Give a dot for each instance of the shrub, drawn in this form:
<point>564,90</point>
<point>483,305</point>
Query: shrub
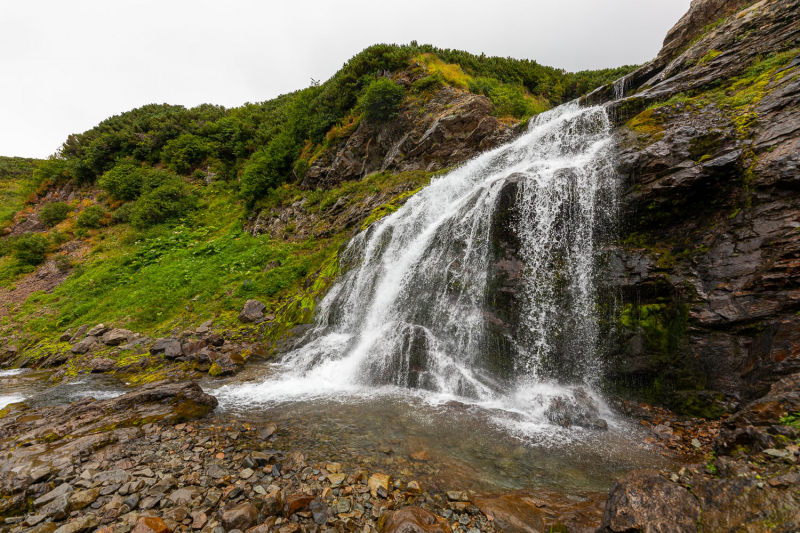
<point>31,249</point>
<point>382,100</point>
<point>165,202</point>
<point>91,217</point>
<point>54,213</point>
<point>124,181</point>
<point>185,152</point>
<point>123,213</point>
<point>267,168</point>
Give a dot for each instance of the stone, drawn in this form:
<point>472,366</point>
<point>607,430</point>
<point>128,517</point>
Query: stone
<point>170,348</point>
<point>241,516</point>
<point>112,476</point>
<point>319,511</point>
<point>117,336</point>
<point>252,312</point>
<point>646,501</point>
<point>247,473</point>
<point>66,336</point>
<point>199,519</point>
<point>420,456</point>
<point>83,346</point>
<point>102,365</point>
<point>97,331</point>
<point>272,503</point>
<point>296,502</point>
<point>267,431</point>
<point>64,488</point>
<point>226,365</point>
<point>414,487</point>
<point>151,524</point>
<point>78,525</point>
<point>215,339</point>
<point>79,334</point>
<point>204,327</point>
<point>336,479</point>
<point>457,496</point>
<point>414,520</point>
<point>185,494</point>
<point>80,499</point>
<point>58,508</point>
<point>379,481</point>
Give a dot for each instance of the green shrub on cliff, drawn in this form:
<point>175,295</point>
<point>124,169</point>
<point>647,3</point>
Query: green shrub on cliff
<point>91,217</point>
<point>382,100</point>
<point>54,213</point>
<point>168,201</point>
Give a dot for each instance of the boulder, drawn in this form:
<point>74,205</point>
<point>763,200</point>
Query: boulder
<point>117,336</point>
<point>83,498</point>
<point>170,348</point>
<point>102,365</point>
<point>226,365</point>
<point>66,336</point>
<point>252,312</point>
<point>204,327</point>
<point>645,501</point>
<point>78,525</point>
<point>151,524</point>
<point>61,490</point>
<point>98,330</point>
<point>79,334</point>
<point>84,345</point>
<point>272,503</point>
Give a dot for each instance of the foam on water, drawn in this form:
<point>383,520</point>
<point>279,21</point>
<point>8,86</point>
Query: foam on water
<point>14,398</point>
<point>407,316</point>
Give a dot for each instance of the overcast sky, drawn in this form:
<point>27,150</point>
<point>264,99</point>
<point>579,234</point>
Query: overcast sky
<point>67,65</point>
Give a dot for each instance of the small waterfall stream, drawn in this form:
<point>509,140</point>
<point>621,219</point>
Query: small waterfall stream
<point>413,306</point>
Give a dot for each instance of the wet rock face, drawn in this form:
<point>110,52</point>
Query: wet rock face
<point>706,273</point>
<point>452,127</point>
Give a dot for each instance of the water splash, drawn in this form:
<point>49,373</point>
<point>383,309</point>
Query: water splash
<point>409,310</point>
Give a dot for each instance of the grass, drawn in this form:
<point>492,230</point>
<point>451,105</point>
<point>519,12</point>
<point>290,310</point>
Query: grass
<point>451,73</point>
<point>16,184</point>
<point>173,277</point>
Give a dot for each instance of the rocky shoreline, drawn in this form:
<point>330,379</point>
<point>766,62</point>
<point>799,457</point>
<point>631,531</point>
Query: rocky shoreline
<point>158,459</point>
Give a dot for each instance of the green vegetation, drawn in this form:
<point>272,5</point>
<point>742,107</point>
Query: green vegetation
<point>382,100</point>
<point>16,184</point>
<point>53,214</point>
<point>91,217</point>
<point>30,249</point>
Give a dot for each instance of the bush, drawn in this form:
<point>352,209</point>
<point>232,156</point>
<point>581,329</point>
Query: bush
<point>31,249</point>
<point>507,99</point>
<point>124,181</point>
<point>123,213</point>
<point>54,213</point>
<point>165,202</point>
<point>91,217</point>
<point>185,152</point>
<point>267,168</point>
<point>382,100</point>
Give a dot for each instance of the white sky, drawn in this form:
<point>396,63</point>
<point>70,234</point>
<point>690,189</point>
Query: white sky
<point>67,65</point>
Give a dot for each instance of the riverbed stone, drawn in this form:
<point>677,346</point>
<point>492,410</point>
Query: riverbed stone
<point>414,520</point>
<point>379,483</point>
<point>242,516</point>
<point>78,525</point>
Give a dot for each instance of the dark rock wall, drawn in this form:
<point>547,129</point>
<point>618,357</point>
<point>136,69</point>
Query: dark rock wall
<point>705,278</point>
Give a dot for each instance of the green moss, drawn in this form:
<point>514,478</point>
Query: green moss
<point>388,208</point>
<point>709,56</point>
<point>792,419</point>
<point>215,370</point>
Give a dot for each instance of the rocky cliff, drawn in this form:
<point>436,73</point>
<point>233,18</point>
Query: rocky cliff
<point>705,280</point>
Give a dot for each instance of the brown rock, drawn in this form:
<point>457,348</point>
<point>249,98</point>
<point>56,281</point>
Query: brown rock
<point>151,524</point>
<point>241,517</point>
<point>645,501</point>
<point>296,502</point>
<point>379,482</point>
<point>414,520</point>
<point>273,503</point>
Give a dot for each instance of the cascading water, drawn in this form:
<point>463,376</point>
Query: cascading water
<point>412,307</point>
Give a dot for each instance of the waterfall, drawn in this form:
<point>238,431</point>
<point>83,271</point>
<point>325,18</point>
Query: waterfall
<point>415,303</point>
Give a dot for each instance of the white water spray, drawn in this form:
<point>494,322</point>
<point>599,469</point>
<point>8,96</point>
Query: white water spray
<point>409,309</point>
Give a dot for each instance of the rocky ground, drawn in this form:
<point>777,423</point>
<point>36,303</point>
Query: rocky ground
<point>157,459</point>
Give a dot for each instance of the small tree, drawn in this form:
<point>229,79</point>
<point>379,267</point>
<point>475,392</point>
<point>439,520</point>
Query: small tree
<point>124,181</point>
<point>382,100</point>
<point>91,217</point>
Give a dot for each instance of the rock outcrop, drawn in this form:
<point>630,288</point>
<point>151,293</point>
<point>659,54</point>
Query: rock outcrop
<point>706,272</point>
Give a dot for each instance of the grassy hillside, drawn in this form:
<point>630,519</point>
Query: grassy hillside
<point>160,194</point>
